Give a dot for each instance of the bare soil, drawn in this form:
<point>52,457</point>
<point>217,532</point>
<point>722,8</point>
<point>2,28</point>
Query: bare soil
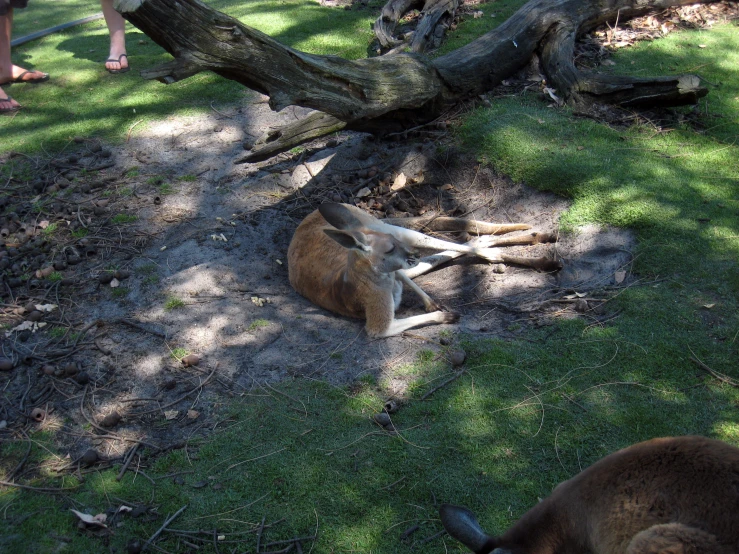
<point>197,247</point>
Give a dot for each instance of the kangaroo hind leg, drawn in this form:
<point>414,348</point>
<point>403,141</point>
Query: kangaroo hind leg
<point>674,538</point>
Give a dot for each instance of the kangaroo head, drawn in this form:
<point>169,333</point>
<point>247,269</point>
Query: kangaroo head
<point>383,251</point>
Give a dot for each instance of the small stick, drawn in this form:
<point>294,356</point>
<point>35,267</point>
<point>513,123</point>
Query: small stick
<point>393,484</point>
<point>180,399</point>
<point>259,533</point>
<point>444,384</point>
<point>174,474</point>
<point>429,539</point>
<point>720,376</point>
<point>163,527</point>
<point>287,541</point>
<point>283,551</point>
<point>37,489</point>
<point>127,462</point>
<point>141,327</point>
<point>408,532</point>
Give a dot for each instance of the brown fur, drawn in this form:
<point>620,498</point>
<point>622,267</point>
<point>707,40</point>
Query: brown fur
<point>356,280</point>
<point>668,496</point>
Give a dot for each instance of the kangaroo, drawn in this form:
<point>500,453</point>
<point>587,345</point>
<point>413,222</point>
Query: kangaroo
<point>671,496</point>
<point>353,264</point>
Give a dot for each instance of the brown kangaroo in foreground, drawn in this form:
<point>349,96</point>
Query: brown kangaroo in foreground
<point>351,263</point>
<point>670,496</point>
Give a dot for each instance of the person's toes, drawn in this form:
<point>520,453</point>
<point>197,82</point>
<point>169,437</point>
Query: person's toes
<point>7,104</point>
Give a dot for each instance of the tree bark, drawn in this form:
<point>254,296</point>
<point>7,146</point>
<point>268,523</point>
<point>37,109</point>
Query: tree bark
<point>435,18</point>
<point>397,91</point>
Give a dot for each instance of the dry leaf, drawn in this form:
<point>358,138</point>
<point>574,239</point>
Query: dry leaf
<point>279,261</point>
<point>399,182</point>
<point>114,283</point>
<point>708,306</point>
<point>46,307</point>
<point>701,46</point>
<point>363,192</point>
<point>478,14</point>
<point>192,414</point>
<point>43,224</point>
<point>98,520</point>
<point>171,414</point>
<point>619,277</point>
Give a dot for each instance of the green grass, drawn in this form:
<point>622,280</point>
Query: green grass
<point>122,219</point>
<point>258,324</point>
<point>529,412</point>
<point>83,99</point>
<point>179,353</point>
<point>173,303</point>
<point>120,292</point>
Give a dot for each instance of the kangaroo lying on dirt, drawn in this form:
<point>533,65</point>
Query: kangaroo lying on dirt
<point>669,496</point>
<point>353,264</point>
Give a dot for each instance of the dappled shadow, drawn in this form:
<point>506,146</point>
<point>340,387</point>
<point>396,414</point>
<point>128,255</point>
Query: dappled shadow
<point>534,407</point>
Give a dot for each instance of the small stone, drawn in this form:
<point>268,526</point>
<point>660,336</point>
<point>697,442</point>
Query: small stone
<point>48,369</point>
<point>134,546</point>
<point>190,359</point>
<point>111,420</point>
<point>170,383</point>
<point>70,370</point>
<point>382,418</point>
<point>35,315</point>
<point>499,268</point>
<point>457,357</point>
<point>581,305</point>
<point>6,364</point>
<point>445,341</point>
<point>89,457</point>
<point>82,378</point>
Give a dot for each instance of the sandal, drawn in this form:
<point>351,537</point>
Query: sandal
<point>122,69</point>
<point>12,109</point>
<point>35,81</point>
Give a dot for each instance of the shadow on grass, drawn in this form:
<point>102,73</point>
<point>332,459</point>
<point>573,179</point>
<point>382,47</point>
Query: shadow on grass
<point>527,414</point>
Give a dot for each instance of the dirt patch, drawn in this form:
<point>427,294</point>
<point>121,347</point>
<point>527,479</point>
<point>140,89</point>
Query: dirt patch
<point>162,247</point>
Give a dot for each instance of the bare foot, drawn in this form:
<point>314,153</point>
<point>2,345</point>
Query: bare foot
<point>117,63</point>
<point>7,104</point>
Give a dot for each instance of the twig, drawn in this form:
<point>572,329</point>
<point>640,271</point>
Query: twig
<point>21,463</point>
<point>392,484</point>
<point>141,327</point>
<point>163,527</point>
<point>259,532</point>
<point>36,489</point>
<point>720,376</point>
<point>288,541</point>
<point>254,459</point>
<point>444,384</point>
<point>181,398</point>
<point>428,539</point>
<point>127,462</point>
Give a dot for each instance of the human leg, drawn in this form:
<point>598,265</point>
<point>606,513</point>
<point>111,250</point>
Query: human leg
<point>10,73</point>
<point>7,104</point>
<point>117,61</point>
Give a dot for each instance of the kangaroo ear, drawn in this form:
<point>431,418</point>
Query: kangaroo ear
<point>461,524</point>
<point>339,216</point>
<point>354,239</point>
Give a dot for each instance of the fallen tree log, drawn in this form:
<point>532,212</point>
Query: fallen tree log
<point>435,18</point>
<point>393,92</point>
